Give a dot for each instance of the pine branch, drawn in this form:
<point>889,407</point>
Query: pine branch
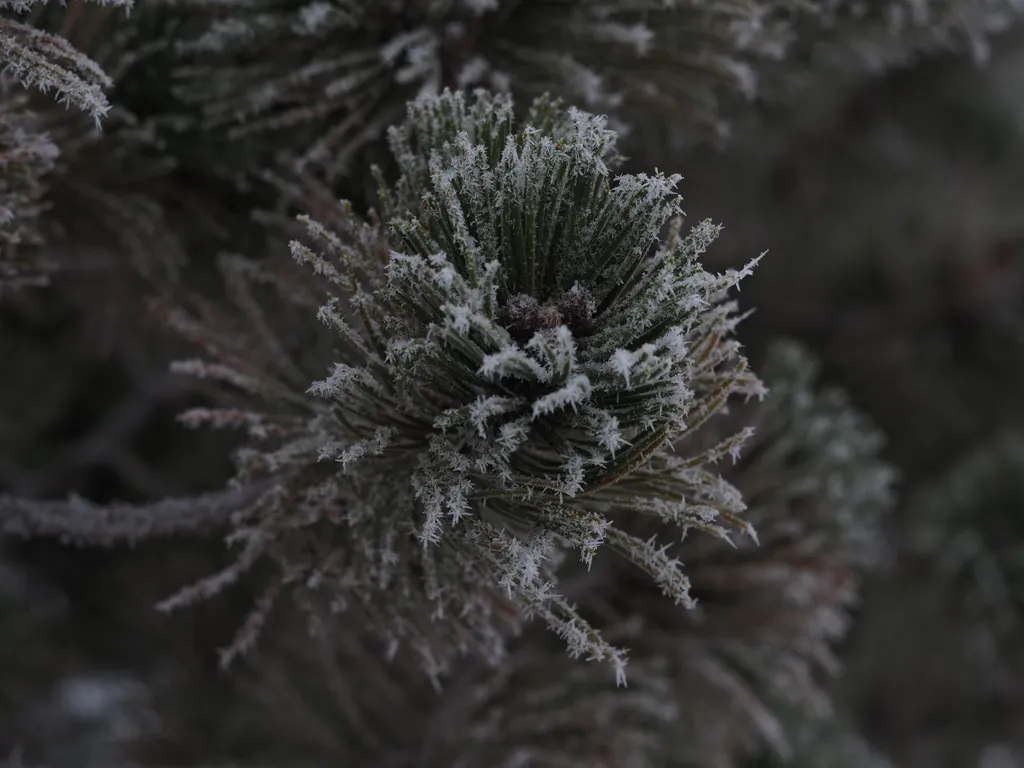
<point>48,62</point>
<point>513,341</point>
<point>323,81</point>
<point>759,643</point>
<point>27,156</point>
<point>81,523</point>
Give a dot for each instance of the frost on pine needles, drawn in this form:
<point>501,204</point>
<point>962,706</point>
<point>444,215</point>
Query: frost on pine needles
<point>523,332</point>
<point>754,657</point>
<point>325,78</point>
<point>49,63</point>
<point>27,156</point>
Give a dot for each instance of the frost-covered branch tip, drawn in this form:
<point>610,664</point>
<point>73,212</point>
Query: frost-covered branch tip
<point>522,332</point>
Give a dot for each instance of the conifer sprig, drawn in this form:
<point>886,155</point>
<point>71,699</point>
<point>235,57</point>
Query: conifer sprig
<point>326,79</point>
<point>27,155</point>
<point>741,677</point>
<point>515,339</point>
<point>759,642</point>
<point>49,63</point>
<point>321,81</point>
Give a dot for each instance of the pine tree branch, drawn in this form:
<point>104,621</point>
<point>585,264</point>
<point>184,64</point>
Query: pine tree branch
<point>79,522</point>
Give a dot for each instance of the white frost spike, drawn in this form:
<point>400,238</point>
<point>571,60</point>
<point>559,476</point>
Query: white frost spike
<point>488,407</point>
<point>344,379</point>
<point>558,349</point>
<point>374,446</point>
<point>622,363</point>
<point>458,319</point>
<point>571,481</point>
<point>514,363</point>
<point>575,393</point>
<point>606,429</point>
<point>645,361</point>
<point>514,434</point>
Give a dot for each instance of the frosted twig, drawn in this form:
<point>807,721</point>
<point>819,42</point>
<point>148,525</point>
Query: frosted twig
<point>79,522</point>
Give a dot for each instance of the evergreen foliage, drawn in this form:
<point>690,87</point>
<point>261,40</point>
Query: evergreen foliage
<point>49,63</point>
<point>850,37</point>
<point>27,156</point>
<point>742,675</point>
<point>830,742</point>
<point>95,192</point>
<point>969,527</point>
<point>344,70</point>
<point>760,640</point>
<point>526,348</point>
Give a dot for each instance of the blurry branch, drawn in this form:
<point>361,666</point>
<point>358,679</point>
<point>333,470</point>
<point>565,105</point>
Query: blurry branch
<point>79,522</point>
